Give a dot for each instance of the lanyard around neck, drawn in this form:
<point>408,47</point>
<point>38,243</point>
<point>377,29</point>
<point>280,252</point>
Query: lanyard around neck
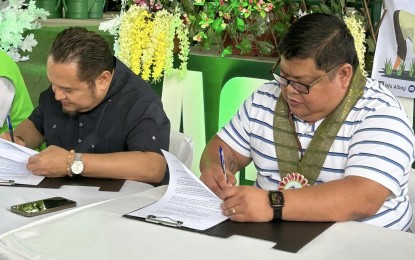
<point>291,120</point>
<point>287,143</point>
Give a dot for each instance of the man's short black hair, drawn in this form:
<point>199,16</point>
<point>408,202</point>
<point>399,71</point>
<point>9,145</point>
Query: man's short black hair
<point>322,37</point>
<point>86,48</point>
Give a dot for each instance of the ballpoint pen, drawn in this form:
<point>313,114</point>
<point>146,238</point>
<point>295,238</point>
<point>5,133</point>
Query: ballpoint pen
<point>222,162</point>
<point>9,124</point>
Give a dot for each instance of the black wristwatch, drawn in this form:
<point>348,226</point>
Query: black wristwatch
<point>276,201</point>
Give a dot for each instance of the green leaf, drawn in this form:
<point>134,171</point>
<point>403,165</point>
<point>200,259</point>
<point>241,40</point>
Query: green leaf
<point>325,9</point>
<point>245,46</point>
<point>316,9</point>
<point>240,24</point>
<point>280,28</point>
<point>217,25</point>
<point>199,2</point>
<point>227,51</point>
<point>283,16</point>
<point>335,7</point>
<point>371,46</point>
<point>192,17</point>
<point>265,47</point>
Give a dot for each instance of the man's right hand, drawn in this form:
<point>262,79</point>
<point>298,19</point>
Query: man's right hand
<point>214,178</point>
<point>17,140</point>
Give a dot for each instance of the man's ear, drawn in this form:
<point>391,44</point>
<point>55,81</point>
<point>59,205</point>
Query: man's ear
<point>345,74</point>
<point>103,81</point>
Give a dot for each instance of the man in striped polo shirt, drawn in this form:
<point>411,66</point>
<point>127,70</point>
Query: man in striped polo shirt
<point>328,143</point>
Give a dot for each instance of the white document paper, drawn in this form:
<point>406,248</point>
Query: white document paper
<point>187,199</point>
<point>13,160</point>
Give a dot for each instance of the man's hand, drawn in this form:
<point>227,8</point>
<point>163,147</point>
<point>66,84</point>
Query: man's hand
<point>17,139</point>
<point>246,204</point>
<point>211,169</point>
<point>51,162</point>
<point>214,178</point>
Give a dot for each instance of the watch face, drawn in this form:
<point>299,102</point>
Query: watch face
<point>77,167</point>
<point>276,199</point>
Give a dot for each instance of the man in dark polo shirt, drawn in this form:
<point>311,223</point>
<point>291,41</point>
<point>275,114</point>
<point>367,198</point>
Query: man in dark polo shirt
<point>98,118</point>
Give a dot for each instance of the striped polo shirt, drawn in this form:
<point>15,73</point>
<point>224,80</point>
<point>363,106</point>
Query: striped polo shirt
<point>376,141</point>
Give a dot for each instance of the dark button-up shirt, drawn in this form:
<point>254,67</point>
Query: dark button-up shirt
<point>130,118</point>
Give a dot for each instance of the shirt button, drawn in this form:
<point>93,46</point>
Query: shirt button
<point>54,126</point>
<point>79,140</point>
<point>80,124</point>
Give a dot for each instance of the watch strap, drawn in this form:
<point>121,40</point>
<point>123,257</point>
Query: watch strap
<point>77,157</point>
<point>277,215</point>
<point>77,160</point>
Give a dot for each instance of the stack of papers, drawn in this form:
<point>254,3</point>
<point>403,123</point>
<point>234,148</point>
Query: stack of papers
<point>13,160</point>
<point>188,202</point>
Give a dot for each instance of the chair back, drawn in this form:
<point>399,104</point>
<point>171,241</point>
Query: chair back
<point>182,147</point>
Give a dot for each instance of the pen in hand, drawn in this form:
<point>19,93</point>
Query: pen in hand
<point>222,162</point>
<point>9,124</point>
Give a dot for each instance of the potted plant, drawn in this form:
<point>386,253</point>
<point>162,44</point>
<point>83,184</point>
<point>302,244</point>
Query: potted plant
<point>251,27</point>
<point>254,27</point>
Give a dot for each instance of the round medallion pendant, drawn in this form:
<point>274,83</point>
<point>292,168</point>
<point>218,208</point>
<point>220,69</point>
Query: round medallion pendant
<point>293,180</point>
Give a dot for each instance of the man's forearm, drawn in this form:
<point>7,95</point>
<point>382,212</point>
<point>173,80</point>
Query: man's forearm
<point>28,133</point>
<point>234,161</point>
<point>351,198</point>
<point>147,167</point>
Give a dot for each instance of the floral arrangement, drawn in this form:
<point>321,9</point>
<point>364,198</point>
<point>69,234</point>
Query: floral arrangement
<point>14,21</point>
<point>242,26</point>
<point>254,27</point>
<point>359,34</point>
<point>183,6</point>
<point>145,40</point>
<point>144,35</point>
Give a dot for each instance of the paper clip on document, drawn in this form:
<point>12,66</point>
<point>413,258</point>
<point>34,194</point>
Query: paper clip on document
<point>164,221</point>
<point>6,182</point>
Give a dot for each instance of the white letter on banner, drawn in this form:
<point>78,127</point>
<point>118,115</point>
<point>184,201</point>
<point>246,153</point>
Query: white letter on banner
<point>185,96</point>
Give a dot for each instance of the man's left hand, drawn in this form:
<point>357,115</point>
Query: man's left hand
<point>246,204</point>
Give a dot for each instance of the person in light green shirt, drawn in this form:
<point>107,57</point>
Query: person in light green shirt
<point>14,97</point>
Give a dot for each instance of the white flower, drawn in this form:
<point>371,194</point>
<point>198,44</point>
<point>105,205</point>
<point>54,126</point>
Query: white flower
<point>301,13</point>
<point>111,25</point>
<point>28,43</point>
<point>14,21</point>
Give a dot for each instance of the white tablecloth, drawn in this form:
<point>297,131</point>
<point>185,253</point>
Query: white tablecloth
<point>83,195</point>
<point>100,232</point>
